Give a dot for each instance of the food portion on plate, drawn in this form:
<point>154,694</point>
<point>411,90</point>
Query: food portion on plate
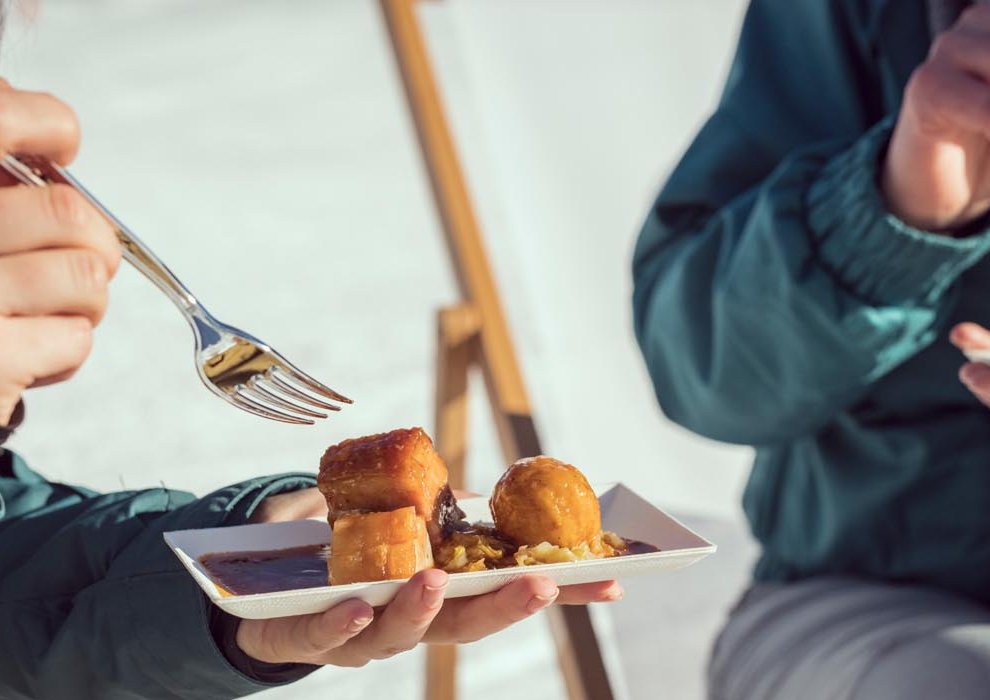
<point>388,471</point>
<point>379,546</point>
<point>544,512</point>
<point>392,513</point>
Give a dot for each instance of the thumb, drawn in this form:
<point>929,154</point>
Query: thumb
<point>303,638</point>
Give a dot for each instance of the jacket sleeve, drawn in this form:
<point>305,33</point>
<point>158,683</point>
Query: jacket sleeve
<point>771,285</point>
<point>93,604</point>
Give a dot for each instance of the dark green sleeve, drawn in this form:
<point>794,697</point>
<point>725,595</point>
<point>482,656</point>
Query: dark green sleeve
<point>93,604</point>
<point>771,285</point>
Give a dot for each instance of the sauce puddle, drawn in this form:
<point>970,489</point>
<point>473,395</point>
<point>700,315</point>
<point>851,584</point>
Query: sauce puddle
<point>268,571</point>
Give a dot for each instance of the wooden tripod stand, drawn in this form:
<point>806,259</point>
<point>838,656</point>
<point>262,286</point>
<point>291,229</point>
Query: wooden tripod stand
<point>475,334</point>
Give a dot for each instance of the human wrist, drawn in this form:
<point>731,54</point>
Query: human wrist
<point>225,629</point>
<point>251,495</point>
<point>919,184</point>
<point>865,246</point>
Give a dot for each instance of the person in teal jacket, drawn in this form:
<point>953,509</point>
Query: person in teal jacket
<point>803,284</point>
<point>93,604</point>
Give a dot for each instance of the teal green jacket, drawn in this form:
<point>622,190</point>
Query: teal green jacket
<point>93,604</point>
<point>778,304</point>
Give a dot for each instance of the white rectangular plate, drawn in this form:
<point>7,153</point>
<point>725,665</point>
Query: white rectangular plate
<point>623,512</point>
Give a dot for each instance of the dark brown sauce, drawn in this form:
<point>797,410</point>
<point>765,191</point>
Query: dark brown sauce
<point>244,573</point>
<point>267,571</point>
<point>446,513</point>
<point>637,547</point>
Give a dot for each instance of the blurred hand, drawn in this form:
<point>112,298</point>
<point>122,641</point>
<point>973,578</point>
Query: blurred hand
<point>975,375</point>
<point>57,254</point>
<point>937,172</point>
<point>352,633</point>
<point>294,505</point>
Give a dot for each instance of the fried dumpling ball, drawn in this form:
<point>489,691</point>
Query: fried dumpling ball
<point>541,499</point>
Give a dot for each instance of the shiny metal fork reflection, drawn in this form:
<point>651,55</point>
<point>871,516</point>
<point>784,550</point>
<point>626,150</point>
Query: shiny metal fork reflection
<point>233,364</point>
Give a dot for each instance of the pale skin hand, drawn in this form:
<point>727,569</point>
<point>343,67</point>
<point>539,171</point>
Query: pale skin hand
<point>352,633</point>
<point>937,173</point>
<point>56,254</point>
<point>975,375</point>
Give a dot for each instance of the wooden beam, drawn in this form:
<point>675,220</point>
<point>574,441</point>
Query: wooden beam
<point>457,350</point>
<point>460,225</point>
<point>458,328</point>
<point>578,652</point>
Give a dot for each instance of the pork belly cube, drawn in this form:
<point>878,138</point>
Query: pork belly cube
<point>387,471</point>
<point>379,546</point>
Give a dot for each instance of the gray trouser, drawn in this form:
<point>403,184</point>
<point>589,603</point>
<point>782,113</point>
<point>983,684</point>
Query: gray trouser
<point>848,639</point>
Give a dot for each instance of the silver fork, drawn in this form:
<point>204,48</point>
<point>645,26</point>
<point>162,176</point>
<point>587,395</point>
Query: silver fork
<point>233,364</point>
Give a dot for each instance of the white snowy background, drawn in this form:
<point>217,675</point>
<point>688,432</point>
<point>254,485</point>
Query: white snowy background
<point>264,151</point>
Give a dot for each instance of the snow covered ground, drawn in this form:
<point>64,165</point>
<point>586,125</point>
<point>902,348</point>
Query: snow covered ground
<point>263,149</point>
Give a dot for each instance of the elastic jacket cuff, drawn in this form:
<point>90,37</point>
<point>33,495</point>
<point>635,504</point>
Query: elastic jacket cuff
<point>876,255</point>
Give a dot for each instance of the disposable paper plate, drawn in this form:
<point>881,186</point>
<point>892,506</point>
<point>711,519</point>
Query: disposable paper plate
<point>623,512</point>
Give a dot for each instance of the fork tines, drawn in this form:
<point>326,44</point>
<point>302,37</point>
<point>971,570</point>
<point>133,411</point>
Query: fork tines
<point>287,394</point>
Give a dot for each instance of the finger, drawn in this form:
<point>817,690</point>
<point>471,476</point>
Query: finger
<point>963,47</point>
<point>39,124</point>
<point>69,281</point>
<point>38,347</point>
<point>401,625</point>
<point>464,620</point>
<point>305,638</point>
<point>976,377</point>
<point>969,336</point>
<point>34,218</point>
<point>975,17</point>
<point>950,97</point>
<point>597,592</point>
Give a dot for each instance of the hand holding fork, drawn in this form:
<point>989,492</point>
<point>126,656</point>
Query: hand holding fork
<point>233,364</point>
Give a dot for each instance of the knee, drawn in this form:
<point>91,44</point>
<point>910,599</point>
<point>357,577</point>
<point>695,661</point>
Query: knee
<point>948,663</point>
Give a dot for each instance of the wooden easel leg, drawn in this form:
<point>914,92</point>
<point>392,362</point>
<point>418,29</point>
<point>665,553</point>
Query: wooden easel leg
<point>578,653</point>
<point>441,672</point>
<point>578,649</point>
<point>457,350</point>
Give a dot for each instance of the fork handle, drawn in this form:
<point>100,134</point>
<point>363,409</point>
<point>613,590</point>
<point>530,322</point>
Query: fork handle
<point>134,250</point>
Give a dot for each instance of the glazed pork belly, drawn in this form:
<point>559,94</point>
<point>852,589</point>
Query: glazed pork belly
<point>379,546</point>
<point>388,471</point>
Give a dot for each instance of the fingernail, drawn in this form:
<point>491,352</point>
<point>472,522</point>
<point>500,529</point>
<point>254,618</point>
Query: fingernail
<point>538,602</point>
<point>359,623</point>
<point>433,595</point>
<point>617,594</point>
